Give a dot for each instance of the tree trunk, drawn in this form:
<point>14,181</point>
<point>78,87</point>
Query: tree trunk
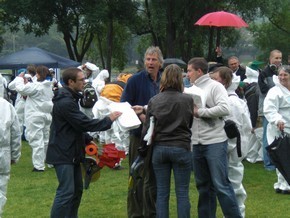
<point>101,51</point>
<point>66,38</point>
<point>109,46</point>
<point>170,31</point>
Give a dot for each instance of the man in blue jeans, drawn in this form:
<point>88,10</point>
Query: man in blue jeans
<point>67,142</point>
<point>209,140</point>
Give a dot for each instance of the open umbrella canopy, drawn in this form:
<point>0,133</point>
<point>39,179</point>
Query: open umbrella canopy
<point>218,20</point>
<point>177,61</point>
<point>221,19</point>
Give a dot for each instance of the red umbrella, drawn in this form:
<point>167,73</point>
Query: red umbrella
<point>221,19</point>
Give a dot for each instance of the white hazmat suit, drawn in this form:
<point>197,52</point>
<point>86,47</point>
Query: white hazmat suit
<point>10,145</point>
<point>99,81</point>
<point>277,108</point>
<point>115,134</point>
<point>37,119</point>
<point>19,103</point>
<point>91,71</point>
<point>3,86</point>
<point>241,115</point>
<point>255,152</point>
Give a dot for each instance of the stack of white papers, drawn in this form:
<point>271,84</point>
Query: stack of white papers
<point>128,120</point>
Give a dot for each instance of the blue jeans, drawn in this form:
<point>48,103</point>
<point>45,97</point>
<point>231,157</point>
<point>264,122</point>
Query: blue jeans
<point>165,159</point>
<point>69,191</point>
<point>267,162</point>
<point>210,164</point>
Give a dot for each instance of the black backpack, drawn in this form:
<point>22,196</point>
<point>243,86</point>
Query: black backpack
<point>89,96</point>
<point>232,131</point>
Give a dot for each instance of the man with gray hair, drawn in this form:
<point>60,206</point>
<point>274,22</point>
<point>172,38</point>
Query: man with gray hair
<point>238,70</point>
<point>138,91</point>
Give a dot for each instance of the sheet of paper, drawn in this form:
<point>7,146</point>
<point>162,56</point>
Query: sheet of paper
<point>197,94</point>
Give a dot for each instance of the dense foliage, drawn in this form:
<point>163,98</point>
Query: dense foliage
<point>102,31</point>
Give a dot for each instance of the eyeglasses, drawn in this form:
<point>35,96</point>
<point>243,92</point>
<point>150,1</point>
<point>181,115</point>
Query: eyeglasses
<point>82,79</point>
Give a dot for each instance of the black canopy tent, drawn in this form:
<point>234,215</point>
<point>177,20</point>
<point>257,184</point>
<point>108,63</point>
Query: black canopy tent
<point>35,56</point>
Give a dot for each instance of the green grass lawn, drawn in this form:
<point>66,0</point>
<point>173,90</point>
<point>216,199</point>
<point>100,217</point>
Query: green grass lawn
<point>31,194</point>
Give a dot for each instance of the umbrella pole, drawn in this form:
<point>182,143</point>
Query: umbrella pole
<point>210,43</point>
<point>218,37</point>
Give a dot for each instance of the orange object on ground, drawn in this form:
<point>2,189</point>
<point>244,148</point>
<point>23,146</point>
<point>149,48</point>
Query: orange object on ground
<point>91,149</point>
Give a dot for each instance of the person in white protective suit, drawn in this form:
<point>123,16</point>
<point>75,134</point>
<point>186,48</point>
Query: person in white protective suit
<point>10,143</point>
<point>255,141</point>
<point>56,84</point>
<point>240,114</point>
<point>2,86</point>
<point>91,71</point>
<point>37,115</point>
<point>112,93</point>
<point>20,99</point>
<point>100,81</point>
<point>277,112</point>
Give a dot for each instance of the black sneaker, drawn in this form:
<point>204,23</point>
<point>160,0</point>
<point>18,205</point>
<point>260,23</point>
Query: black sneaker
<point>36,170</point>
<point>285,192</point>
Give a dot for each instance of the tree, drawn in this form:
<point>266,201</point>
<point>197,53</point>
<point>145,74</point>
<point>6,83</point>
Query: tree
<point>170,24</point>
<point>2,14</point>
<point>115,17</point>
<point>52,42</point>
<point>99,29</point>
<point>273,30</point>
<point>38,16</point>
<point>80,21</point>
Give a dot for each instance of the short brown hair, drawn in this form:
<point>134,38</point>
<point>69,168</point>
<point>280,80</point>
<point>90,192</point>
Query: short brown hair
<point>199,63</point>
<point>226,74</point>
<point>70,73</point>
<point>172,78</point>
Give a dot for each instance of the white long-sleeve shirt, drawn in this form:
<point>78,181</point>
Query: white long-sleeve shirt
<point>209,127</point>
